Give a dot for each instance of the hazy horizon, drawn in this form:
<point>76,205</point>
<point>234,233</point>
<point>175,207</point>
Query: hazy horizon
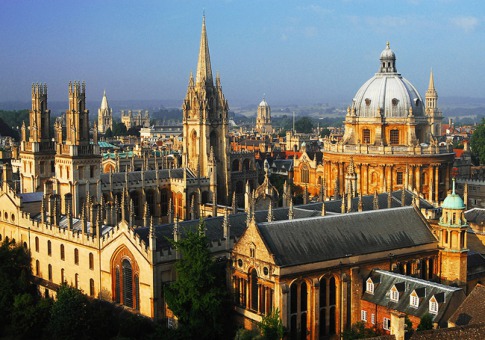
<point>290,52</point>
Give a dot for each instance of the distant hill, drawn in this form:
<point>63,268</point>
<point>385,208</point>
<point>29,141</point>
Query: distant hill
<point>6,130</point>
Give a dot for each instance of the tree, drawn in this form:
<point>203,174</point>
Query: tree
<point>108,133</point>
<point>425,323</point>
<point>68,314</point>
<point>119,129</point>
<point>359,331</point>
<point>477,142</point>
<point>196,297</point>
<point>271,326</point>
<point>325,132</point>
<point>304,125</point>
<point>133,131</point>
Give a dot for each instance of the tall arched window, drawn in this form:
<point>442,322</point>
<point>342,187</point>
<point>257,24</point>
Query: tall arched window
<point>76,280</point>
<point>305,174</point>
<point>49,248</point>
<point>298,310</point>
<point>36,244</point>
<point>91,287</point>
<point>62,275</point>
<point>127,283</point>
<point>137,293</point>
<point>37,267</point>
<point>49,268</point>
<point>62,252</point>
<point>76,256</point>
<point>117,285</point>
<point>328,298</point>
<point>254,290</point>
<point>91,261</point>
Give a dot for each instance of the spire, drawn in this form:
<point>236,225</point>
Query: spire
<point>431,81</point>
<point>376,201</point>
<point>270,212</point>
<point>324,211</point>
<point>234,203</point>
<point>403,197</point>
<point>291,213</point>
<point>342,206</point>
<point>360,206</point>
<point>204,71</point>
<point>389,200</point>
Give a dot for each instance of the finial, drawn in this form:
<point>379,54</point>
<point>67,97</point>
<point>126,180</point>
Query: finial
<point>388,45</point>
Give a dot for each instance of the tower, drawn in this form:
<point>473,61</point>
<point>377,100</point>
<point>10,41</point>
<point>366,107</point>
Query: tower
<point>37,150</point>
<point>263,118</point>
<point>432,111</point>
<point>452,228</point>
<point>105,115</point>
<point>205,123</point>
<point>77,161</point>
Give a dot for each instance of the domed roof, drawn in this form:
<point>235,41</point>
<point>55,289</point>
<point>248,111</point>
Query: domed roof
<point>453,200</point>
<point>387,93</point>
<point>263,103</point>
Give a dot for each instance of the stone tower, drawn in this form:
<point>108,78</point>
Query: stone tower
<point>263,118</point>
<point>453,240</point>
<point>37,150</point>
<point>434,114</point>
<point>205,123</point>
<point>77,161</point>
<point>105,115</point>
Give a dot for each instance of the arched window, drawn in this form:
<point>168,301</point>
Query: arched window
<point>49,248</point>
<point>91,261</point>
<point>117,285</point>
<point>62,275</point>
<point>305,174</point>
<point>137,292</point>
<point>127,283</point>
<point>91,287</point>
<point>76,280</point>
<point>76,256</point>
<point>328,299</point>
<point>37,267</point>
<point>36,244</point>
<point>50,272</point>
<point>254,290</point>
<point>298,310</point>
<point>62,252</point>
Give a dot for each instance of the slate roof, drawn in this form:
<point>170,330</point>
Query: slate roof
<point>29,197</point>
<point>472,332</point>
<point>475,216</point>
<point>316,239</point>
<point>448,297</point>
<point>472,310</point>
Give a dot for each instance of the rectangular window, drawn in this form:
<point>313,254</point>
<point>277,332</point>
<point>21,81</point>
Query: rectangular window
<point>386,324</point>
<point>399,178</point>
<point>363,315</point>
<point>414,301</point>
<point>394,137</point>
<point>366,136</point>
<point>369,287</point>
<point>373,318</point>
<point>394,295</point>
<point>433,307</point>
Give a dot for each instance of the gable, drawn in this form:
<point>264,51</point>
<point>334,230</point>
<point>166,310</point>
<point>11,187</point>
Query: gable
<point>251,241</point>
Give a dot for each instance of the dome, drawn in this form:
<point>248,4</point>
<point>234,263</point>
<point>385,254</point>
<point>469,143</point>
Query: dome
<point>453,201</point>
<point>263,103</point>
<point>387,92</point>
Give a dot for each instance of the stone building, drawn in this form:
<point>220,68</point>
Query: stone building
<point>105,115</point>
<point>390,133</point>
<point>134,118</point>
<point>263,118</point>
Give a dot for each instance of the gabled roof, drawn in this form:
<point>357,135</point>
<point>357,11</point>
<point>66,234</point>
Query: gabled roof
<point>316,239</point>
<point>451,297</point>
<point>475,216</point>
<point>472,310</point>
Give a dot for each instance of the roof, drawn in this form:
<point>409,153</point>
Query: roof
<point>316,239</point>
<point>29,197</point>
<point>446,296</point>
<point>136,176</point>
<point>475,216</point>
<point>472,310</point>
<point>472,332</point>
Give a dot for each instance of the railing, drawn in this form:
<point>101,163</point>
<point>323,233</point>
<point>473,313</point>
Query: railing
<point>388,150</point>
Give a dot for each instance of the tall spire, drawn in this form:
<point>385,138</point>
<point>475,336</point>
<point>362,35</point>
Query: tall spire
<point>204,71</point>
<point>431,81</point>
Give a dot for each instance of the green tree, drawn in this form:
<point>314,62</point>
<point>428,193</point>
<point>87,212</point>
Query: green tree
<point>119,129</point>
<point>108,133</point>
<point>477,142</point>
<point>304,125</point>
<point>69,313</point>
<point>197,298</point>
<point>359,331</point>
<point>133,131</point>
<point>325,132</point>
<point>15,278</point>
<point>271,326</point>
<point>425,323</point>
<point>30,315</point>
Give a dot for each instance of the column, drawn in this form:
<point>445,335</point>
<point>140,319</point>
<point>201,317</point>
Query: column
<point>437,183</point>
<point>431,182</point>
<point>383,177</point>
<point>418,178</point>
<point>389,177</point>
<point>366,180</point>
<point>412,173</point>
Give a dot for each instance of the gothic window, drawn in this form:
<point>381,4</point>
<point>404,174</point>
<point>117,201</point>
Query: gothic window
<point>37,267</point>
<point>62,275</point>
<point>366,136</point>
<point>91,287</point>
<point>36,244</point>
<point>91,261</point>
<point>298,310</point>
<point>49,248</point>
<point>117,285</point>
<point>137,293</point>
<point>76,256</point>
<point>127,283</point>
<point>76,280</point>
<point>394,137</point>
<point>62,252</point>
<point>254,290</point>
<point>305,176</point>
<point>328,300</point>
<point>193,144</point>
<point>49,272</point>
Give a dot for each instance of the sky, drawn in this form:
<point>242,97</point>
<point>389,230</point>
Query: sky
<point>290,52</point>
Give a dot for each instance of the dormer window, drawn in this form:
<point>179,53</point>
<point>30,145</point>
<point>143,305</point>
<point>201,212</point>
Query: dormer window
<point>433,306</point>
<point>394,294</point>
<point>414,299</point>
<point>369,287</point>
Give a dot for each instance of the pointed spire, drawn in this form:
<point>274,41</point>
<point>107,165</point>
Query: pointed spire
<point>360,206</point>
<point>291,213</point>
<point>234,203</point>
<point>389,200</point>
<point>342,206</point>
<point>375,201</point>
<point>204,70</point>
<point>431,81</point>
<point>225,225</point>
<point>270,212</point>
<point>324,211</point>
<point>403,197</point>
<point>169,210</point>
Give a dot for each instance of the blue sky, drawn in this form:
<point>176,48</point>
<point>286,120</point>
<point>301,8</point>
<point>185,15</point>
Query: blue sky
<point>292,51</point>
